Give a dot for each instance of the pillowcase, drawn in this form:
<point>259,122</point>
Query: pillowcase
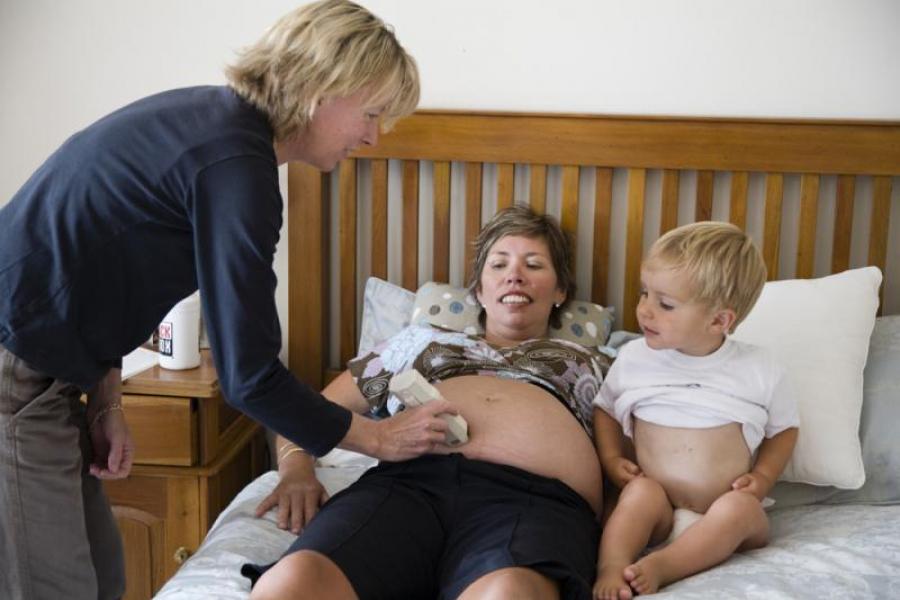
<point>386,310</point>
<point>453,307</point>
<point>820,330</point>
<point>877,431</point>
<point>447,306</point>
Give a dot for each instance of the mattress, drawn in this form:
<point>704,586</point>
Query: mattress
<point>816,551</point>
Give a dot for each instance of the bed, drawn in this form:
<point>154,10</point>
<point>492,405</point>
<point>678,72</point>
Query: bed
<point>821,198</point>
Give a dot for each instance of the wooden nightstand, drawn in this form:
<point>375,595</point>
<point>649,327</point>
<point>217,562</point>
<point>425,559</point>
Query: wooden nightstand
<point>194,453</point>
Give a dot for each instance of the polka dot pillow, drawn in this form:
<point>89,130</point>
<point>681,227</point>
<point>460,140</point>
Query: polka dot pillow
<point>453,307</point>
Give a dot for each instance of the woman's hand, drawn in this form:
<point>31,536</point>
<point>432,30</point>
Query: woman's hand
<point>413,432</point>
<point>620,471</point>
<point>298,494</point>
<point>112,445</point>
<point>406,435</point>
<point>111,441</point>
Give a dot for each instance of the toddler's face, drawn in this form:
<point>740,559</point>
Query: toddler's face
<point>669,316</point>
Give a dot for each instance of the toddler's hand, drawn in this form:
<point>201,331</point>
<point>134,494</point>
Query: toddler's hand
<point>753,483</point>
<point>622,471</point>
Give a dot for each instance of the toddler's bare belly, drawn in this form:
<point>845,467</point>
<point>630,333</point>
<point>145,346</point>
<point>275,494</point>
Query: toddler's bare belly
<point>519,424</point>
<point>695,466</point>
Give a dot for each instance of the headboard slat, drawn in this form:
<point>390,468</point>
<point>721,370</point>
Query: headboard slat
<point>806,236</point>
<point>568,218</point>
<point>772,224</point>
<point>473,213</point>
<point>669,203</point>
<point>348,236</point>
<point>634,245</point>
<point>379,218</point>
<point>703,210</point>
<point>737,213</point>
<point>843,223</point>
<point>880,225</point>
<point>410,277</point>
<point>307,273</point>
<point>441,254</point>
<point>537,189</point>
<point>506,179</point>
<point>602,212</point>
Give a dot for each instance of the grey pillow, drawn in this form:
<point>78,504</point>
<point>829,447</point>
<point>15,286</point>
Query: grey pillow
<point>878,430</point>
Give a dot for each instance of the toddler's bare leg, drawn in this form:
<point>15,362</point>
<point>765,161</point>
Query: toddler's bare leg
<point>643,513</point>
<point>736,520</point>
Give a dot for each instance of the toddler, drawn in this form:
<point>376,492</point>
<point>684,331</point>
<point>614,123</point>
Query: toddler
<point>710,419</point>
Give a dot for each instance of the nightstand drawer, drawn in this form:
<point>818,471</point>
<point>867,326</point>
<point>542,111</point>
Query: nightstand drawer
<point>164,429</point>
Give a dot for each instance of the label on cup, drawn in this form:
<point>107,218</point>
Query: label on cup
<point>179,335</point>
<point>165,338</point>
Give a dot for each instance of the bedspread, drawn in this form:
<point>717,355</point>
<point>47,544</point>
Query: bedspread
<point>816,552</point>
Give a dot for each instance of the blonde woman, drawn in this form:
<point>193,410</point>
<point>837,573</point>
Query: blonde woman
<point>176,191</point>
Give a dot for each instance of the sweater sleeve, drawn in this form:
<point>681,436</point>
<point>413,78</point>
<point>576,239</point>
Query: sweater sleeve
<point>236,208</point>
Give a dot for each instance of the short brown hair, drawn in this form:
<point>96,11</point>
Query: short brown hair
<point>327,48</point>
<point>724,267</point>
<point>522,221</point>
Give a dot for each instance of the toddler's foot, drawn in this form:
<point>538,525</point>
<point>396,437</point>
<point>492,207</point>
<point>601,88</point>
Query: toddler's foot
<point>611,584</point>
<point>644,576</point>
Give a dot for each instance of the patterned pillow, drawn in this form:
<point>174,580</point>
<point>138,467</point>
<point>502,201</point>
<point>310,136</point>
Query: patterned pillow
<point>453,307</point>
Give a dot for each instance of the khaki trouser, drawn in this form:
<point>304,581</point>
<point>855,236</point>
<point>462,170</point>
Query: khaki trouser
<point>58,538</point>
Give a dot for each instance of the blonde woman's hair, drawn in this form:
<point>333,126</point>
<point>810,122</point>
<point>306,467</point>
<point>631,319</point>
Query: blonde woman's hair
<point>725,269</point>
<point>325,49</point>
<point>523,221</point>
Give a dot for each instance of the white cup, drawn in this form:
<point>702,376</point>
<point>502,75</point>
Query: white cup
<point>179,335</point>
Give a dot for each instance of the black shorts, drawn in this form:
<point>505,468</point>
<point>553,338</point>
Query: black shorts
<point>429,527</point>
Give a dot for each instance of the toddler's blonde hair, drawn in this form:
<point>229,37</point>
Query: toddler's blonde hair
<point>725,269</point>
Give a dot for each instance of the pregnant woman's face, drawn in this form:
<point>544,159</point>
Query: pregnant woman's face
<point>518,288</point>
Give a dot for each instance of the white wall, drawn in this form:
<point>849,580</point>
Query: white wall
<point>65,64</point>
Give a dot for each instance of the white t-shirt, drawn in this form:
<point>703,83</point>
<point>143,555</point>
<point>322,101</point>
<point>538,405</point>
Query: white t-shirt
<point>738,383</point>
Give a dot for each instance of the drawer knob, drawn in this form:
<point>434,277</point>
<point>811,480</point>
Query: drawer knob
<point>181,555</point>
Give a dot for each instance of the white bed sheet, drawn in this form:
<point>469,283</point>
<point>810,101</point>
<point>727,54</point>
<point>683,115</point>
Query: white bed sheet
<point>816,552</point>
<point>238,537</point>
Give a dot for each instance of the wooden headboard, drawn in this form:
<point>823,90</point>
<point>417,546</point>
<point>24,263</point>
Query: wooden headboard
<point>819,193</point>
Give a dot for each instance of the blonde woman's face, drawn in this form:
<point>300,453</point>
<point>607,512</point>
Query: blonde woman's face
<point>339,125</point>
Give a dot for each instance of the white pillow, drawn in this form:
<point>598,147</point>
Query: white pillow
<point>820,329</point>
<point>386,311</point>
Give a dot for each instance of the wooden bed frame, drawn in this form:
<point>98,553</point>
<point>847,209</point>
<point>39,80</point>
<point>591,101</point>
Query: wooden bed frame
<point>570,148</point>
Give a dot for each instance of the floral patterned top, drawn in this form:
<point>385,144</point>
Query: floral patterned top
<point>570,372</point>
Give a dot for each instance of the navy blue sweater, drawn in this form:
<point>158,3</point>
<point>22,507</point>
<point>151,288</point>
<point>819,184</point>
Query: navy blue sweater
<point>132,214</point>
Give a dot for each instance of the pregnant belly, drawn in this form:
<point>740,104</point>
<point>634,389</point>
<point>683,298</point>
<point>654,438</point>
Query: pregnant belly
<point>521,425</point>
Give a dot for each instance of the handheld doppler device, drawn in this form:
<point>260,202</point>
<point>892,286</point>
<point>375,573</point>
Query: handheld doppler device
<point>412,390</point>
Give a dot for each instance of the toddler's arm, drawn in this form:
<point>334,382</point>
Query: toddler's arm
<point>610,443</point>
<point>773,455</point>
